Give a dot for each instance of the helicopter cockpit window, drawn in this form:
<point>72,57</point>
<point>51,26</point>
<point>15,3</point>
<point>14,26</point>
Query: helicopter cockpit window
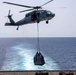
<point>49,12</point>
<point>27,15</point>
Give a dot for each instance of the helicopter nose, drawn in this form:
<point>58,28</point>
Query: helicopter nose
<point>53,15</point>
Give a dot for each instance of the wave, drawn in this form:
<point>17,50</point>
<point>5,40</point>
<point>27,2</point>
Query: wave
<point>20,57</point>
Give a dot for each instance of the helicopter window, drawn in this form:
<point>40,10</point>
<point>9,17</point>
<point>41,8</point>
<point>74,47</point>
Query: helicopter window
<point>49,12</point>
<point>27,15</point>
<point>34,17</point>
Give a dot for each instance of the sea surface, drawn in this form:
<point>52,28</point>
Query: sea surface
<point>18,53</point>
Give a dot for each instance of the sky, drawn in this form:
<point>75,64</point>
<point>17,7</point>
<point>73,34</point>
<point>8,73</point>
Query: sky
<point>62,25</point>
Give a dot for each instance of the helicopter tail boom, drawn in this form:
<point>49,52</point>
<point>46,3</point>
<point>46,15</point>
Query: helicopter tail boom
<point>10,24</point>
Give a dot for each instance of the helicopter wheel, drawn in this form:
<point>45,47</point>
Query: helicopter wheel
<point>17,28</point>
<point>37,21</point>
<point>47,22</point>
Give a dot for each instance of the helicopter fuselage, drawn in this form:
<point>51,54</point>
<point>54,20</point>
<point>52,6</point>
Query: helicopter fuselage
<point>35,16</point>
<point>32,17</point>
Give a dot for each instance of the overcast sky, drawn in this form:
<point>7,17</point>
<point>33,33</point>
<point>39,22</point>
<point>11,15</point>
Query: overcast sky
<point>62,25</point>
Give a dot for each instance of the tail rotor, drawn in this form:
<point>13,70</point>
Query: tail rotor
<point>9,15</point>
<point>9,12</point>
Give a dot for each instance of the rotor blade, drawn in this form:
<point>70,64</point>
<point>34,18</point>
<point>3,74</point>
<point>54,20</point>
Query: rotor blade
<point>57,7</point>
<point>18,5</point>
<point>26,10</point>
<point>46,2</point>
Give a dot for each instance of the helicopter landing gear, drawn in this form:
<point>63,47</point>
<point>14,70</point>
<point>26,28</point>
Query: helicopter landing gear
<point>47,22</point>
<point>38,21</point>
<point>17,28</point>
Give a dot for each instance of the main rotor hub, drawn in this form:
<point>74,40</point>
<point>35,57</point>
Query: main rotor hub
<point>37,7</point>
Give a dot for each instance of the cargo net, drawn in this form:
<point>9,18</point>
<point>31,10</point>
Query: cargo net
<point>38,58</point>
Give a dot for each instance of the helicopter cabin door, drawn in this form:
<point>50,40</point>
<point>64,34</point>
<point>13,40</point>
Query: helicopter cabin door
<point>34,16</point>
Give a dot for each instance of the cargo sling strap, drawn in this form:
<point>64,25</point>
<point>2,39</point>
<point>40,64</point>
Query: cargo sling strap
<point>38,58</point>
<point>38,45</point>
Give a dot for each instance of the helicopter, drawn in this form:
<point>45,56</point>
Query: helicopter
<point>36,15</point>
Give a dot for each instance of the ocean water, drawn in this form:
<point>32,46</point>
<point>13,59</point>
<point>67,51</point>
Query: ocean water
<point>18,53</point>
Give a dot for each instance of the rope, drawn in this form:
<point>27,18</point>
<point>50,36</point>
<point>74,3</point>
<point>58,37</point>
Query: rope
<point>38,46</point>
